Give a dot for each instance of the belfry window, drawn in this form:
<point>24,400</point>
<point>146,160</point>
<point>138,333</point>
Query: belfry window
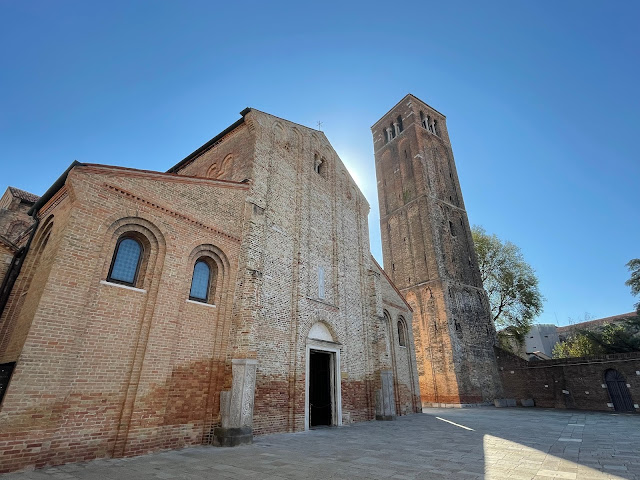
<point>399,123</point>
<point>423,121</point>
<point>200,282</point>
<point>126,261</point>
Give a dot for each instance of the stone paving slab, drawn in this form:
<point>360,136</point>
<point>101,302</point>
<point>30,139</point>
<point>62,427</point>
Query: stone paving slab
<point>478,443</point>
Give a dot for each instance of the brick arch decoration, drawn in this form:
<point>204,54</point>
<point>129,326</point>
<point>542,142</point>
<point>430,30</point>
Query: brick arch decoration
<point>219,169</point>
<point>25,279</point>
<point>153,246</point>
<point>322,318</point>
<point>16,229</point>
<point>221,262</point>
<point>388,332</point>
<point>296,139</point>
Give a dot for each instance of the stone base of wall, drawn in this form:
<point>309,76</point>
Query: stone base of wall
<point>232,437</point>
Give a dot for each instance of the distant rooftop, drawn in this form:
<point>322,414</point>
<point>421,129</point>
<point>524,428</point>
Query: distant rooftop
<point>24,196</point>
<point>596,323</point>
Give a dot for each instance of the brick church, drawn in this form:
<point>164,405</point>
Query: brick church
<point>235,295</point>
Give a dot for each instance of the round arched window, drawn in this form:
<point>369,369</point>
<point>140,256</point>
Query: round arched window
<point>126,261</point>
<point>200,281</point>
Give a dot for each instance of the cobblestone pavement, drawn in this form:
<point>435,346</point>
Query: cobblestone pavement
<point>474,443</point>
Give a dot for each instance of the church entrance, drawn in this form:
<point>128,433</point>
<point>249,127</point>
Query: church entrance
<point>320,388</point>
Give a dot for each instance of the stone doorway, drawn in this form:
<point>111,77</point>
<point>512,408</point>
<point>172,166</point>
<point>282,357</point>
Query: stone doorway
<point>320,389</point>
<point>323,405</point>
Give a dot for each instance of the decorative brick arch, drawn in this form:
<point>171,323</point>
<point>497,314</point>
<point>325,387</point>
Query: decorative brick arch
<point>153,246</point>
<point>218,259</point>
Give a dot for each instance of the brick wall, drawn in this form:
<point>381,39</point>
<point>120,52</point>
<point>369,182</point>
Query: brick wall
<point>104,370</point>
<point>570,382</point>
<point>109,370</point>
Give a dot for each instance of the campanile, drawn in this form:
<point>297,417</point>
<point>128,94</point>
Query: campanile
<point>428,253</point>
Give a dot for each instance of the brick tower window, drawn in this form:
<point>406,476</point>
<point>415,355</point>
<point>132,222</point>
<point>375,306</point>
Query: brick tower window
<point>126,261</point>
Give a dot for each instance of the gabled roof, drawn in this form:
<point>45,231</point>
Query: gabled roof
<point>210,144</point>
<point>410,96</point>
<point>24,196</point>
<point>391,283</point>
<point>596,323</point>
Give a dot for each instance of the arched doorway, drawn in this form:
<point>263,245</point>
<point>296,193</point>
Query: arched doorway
<point>323,406</point>
<point>618,391</point>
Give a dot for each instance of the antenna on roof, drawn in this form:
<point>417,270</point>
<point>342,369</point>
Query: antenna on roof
<point>319,124</point>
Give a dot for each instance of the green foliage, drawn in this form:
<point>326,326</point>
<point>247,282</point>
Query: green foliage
<point>609,338</point>
<point>579,345</point>
<point>510,282</point>
<point>634,282</point>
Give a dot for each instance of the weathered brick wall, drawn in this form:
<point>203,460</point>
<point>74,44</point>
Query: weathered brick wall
<point>6,255</point>
<point>428,253</point>
<point>14,223</point>
<point>302,221</point>
<point>14,219</point>
<point>570,382</point>
<point>107,370</point>
<point>230,158</point>
<point>401,359</point>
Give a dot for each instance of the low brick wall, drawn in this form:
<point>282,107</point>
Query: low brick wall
<point>576,383</point>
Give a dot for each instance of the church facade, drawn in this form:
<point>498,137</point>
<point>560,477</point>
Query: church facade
<point>233,295</point>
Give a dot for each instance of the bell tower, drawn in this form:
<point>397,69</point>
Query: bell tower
<point>429,254</point>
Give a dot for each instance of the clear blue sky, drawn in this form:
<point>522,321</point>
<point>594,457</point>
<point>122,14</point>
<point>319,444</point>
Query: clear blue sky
<point>542,105</point>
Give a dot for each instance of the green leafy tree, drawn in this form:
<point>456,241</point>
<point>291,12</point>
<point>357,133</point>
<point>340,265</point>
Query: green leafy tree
<point>609,338</point>
<point>510,282</point>
<point>634,282</point>
<point>578,345</point>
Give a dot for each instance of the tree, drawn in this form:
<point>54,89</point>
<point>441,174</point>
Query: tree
<point>578,345</point>
<point>620,337</point>
<point>634,282</point>
<point>510,282</point>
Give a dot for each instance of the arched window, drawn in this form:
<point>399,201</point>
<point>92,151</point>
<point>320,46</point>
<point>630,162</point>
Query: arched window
<point>399,122</point>
<point>126,261</point>
<point>200,282</point>
<point>402,334</point>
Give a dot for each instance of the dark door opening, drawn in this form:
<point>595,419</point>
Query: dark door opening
<point>320,401</point>
<point>618,391</point>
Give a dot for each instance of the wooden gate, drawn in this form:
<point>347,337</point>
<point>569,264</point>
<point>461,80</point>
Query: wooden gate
<point>618,391</point>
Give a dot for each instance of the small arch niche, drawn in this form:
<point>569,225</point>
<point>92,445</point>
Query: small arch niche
<point>319,331</point>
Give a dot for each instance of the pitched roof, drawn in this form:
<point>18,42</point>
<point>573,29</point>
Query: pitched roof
<point>596,323</point>
<point>391,283</point>
<point>22,195</point>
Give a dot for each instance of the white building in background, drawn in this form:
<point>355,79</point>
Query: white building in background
<point>541,338</point>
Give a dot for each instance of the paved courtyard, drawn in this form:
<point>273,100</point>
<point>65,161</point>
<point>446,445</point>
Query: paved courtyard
<point>487,443</point>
